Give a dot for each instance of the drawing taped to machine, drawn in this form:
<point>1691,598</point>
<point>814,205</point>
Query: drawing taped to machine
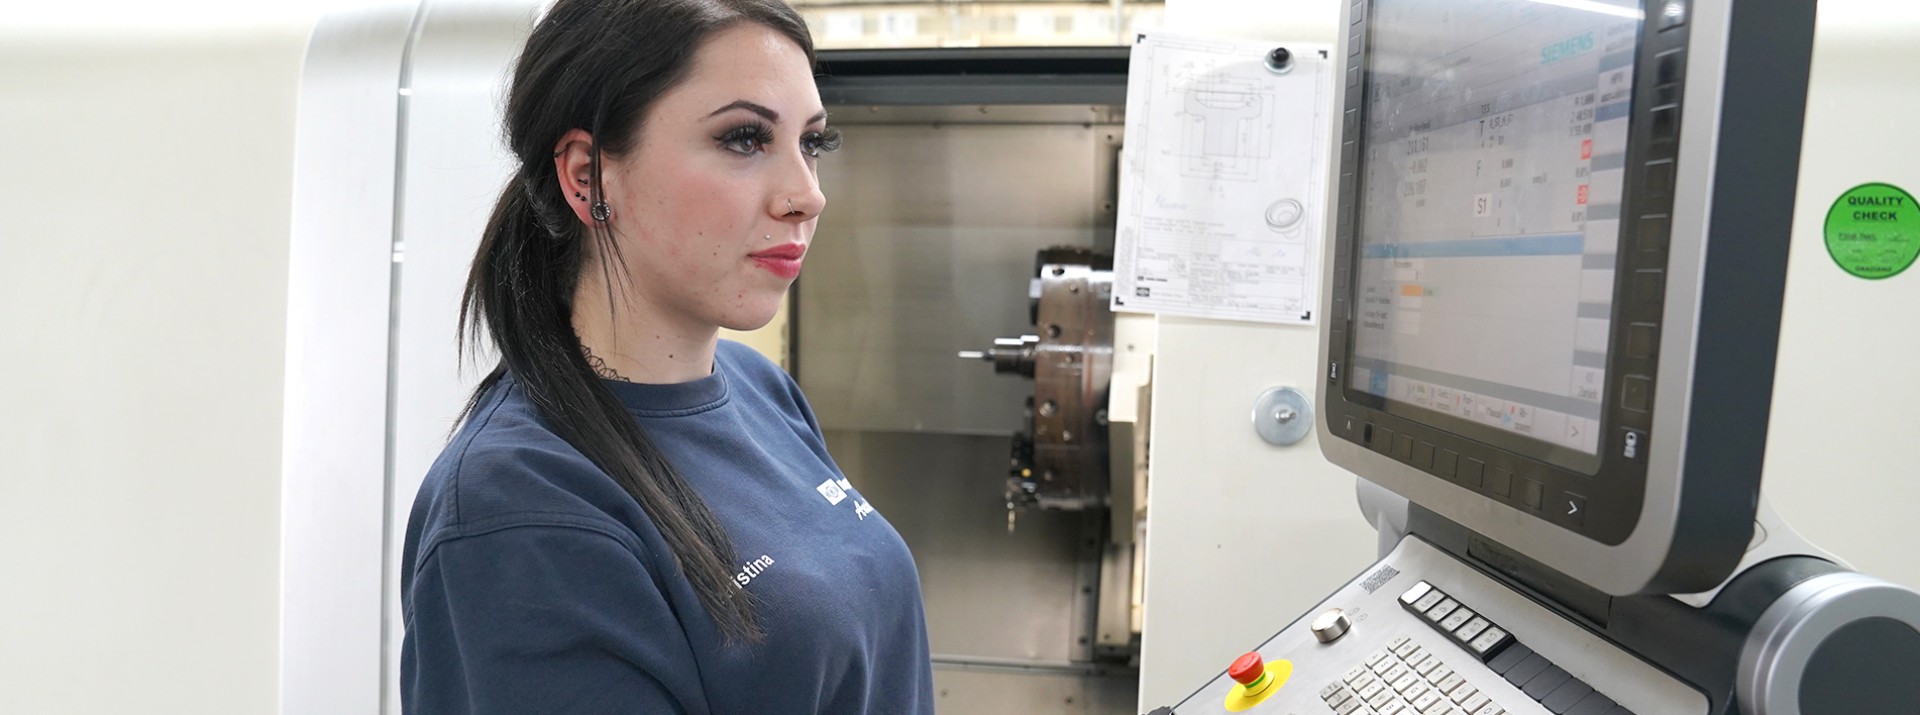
<point>1221,165</point>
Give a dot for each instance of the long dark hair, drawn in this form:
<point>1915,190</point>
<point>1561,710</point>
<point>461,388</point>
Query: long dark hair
<point>597,65</point>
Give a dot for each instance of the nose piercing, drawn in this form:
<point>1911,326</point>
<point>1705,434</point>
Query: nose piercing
<point>789,205</point>
<point>766,238</point>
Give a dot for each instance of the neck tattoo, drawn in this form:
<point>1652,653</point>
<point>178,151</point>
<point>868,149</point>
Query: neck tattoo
<point>600,367</point>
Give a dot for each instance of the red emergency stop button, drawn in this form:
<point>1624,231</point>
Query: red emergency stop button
<point>1257,680</point>
<point>1247,669</point>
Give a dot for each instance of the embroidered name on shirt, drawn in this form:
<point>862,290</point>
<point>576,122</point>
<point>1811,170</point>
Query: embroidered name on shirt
<point>751,570</point>
<point>861,509</point>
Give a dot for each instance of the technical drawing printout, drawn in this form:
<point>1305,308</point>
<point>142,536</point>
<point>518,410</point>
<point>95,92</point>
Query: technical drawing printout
<point>1490,207</point>
<point>1221,181</point>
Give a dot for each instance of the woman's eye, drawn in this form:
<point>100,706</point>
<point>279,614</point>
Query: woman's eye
<point>746,139</point>
<point>819,143</point>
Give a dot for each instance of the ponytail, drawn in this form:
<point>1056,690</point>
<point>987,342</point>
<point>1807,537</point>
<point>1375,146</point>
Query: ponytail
<point>519,292</point>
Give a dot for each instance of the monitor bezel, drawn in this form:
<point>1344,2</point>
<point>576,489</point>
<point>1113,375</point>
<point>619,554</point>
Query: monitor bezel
<point>1641,527</point>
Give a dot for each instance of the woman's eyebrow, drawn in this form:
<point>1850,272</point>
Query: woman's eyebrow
<point>770,115</point>
<point>763,111</point>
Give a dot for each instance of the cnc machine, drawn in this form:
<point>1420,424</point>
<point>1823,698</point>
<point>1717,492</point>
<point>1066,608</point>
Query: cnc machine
<point>1555,288</point>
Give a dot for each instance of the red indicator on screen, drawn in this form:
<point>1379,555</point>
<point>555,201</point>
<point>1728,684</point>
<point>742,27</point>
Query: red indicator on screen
<point>1583,195</point>
<point>1586,148</point>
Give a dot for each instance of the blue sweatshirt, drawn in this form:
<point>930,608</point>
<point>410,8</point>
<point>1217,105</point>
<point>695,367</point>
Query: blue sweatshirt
<point>532,583</point>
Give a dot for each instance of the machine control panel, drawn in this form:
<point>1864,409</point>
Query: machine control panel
<point>1430,635</point>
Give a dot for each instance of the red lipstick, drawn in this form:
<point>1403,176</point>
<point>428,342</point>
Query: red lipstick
<point>783,260</point>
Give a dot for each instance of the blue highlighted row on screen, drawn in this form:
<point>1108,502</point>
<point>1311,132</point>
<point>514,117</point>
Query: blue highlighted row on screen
<point>1566,244</point>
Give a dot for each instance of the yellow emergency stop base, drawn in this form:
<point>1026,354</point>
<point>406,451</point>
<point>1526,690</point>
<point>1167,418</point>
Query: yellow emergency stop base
<point>1243,697</point>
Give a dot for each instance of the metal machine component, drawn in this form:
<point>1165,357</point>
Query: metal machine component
<point>1331,625</point>
<point>1060,456</point>
<point>1283,416</point>
<point>1838,643</point>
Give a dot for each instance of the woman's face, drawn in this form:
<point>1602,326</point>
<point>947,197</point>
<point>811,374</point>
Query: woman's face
<point>716,203</point>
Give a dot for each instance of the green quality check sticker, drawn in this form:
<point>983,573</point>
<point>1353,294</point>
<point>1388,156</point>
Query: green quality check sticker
<point>1873,231</point>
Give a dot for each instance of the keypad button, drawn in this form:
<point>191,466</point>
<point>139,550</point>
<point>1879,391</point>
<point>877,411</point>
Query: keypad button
<point>1593,704</point>
<point>1375,659</point>
<point>1365,682</point>
<point>1563,698</point>
<point>1488,642</point>
<point>1402,685</point>
<point>1476,702</point>
<point>1426,702</point>
<point>1640,340</point>
<point>1353,675</point>
<point>1433,598</point>
<point>1441,673</point>
<point>1636,393</point>
<point>1667,67</point>
<point>1546,682</point>
<point>1326,693</point>
<point>1393,708</point>
<point>1455,619</point>
<point>1372,688</point>
<point>1573,508</point>
<point>1428,666</point>
<point>1659,178</point>
<point>1381,698</point>
<point>1473,628</point>
<point>1463,693</point>
<point>1652,238</point>
<point>1489,709</point>
<point>1672,14</point>
<point>1339,696</point>
<point>1442,609</point>
<point>1666,124</point>
<point>1499,481</point>
<point>1530,493</point>
<point>1509,657</point>
<point>1471,472</point>
<point>1417,691</point>
<point>1527,669</point>
<point>1399,672</point>
<point>1348,707</point>
<point>1402,640</point>
<point>1451,683</point>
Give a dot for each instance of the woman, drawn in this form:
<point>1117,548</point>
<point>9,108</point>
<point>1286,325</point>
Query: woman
<point>635,517</point>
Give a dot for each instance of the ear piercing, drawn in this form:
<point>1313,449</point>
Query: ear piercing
<point>600,211</point>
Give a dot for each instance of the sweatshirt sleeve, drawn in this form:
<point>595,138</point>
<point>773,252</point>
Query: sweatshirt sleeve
<point>546,619</point>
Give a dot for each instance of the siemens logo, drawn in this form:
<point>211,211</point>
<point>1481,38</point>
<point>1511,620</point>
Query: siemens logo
<point>1566,48</point>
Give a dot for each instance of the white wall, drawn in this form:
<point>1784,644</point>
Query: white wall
<point>1846,389</point>
<point>145,196</point>
<point>1242,536</point>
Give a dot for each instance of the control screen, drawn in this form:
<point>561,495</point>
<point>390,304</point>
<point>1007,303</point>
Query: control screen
<point>1493,153</point>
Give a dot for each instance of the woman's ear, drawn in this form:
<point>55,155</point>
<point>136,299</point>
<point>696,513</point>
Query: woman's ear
<point>573,166</point>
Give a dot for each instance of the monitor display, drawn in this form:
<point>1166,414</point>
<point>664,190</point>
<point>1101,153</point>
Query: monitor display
<point>1495,136</point>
